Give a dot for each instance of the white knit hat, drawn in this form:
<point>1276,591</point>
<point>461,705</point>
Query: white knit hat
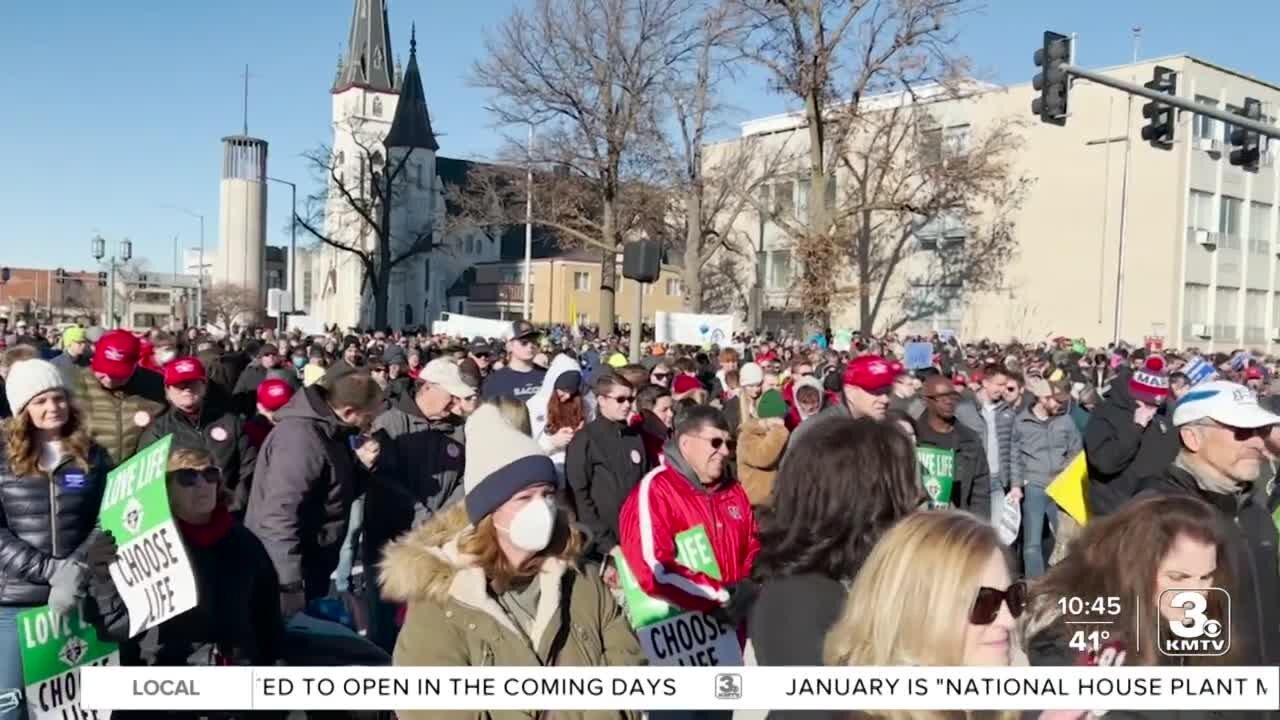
<point>28,379</point>
<point>501,461</point>
<point>750,374</point>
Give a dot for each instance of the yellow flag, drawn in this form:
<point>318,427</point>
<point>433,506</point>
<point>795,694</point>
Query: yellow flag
<point>573,311</point>
<point>1068,489</point>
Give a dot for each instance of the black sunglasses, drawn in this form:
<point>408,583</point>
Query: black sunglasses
<point>986,606</point>
<point>1241,434</point>
<point>661,376</point>
<point>187,477</point>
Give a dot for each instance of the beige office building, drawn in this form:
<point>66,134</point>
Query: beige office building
<point>1189,253</point>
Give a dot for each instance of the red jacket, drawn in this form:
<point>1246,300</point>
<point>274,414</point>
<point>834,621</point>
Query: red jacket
<point>668,502</point>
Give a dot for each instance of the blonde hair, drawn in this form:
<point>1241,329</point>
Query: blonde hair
<point>910,602</point>
<point>480,543</point>
<point>23,452</point>
<point>189,459</point>
<point>514,411</point>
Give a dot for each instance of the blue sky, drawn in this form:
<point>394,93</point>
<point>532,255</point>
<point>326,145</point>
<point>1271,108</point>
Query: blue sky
<point>115,110</point>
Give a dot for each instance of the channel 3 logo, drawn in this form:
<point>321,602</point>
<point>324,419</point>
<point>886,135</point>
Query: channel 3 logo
<point>728,686</point>
<point>1194,623</point>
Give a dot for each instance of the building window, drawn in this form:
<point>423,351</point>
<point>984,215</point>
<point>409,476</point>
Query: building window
<point>471,245</point>
<point>377,106</point>
<point>582,281</point>
<point>1195,307</point>
<point>931,146</point>
<point>784,200</point>
<point>939,144</point>
<point>1200,212</point>
<point>673,287</point>
<point>375,160</point>
<point>1259,228</point>
<point>1224,313</point>
<point>417,171</point>
<point>1255,316</point>
<point>426,274</point>
<point>306,289</point>
<point>1201,126</point>
<point>780,269</point>
<point>831,191</point>
<point>1229,222</point>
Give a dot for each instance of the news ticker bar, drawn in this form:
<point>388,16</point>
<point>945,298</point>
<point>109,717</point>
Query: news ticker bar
<point>680,688</point>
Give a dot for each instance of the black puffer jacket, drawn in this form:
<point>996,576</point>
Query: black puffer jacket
<point>304,482</point>
<point>219,433</point>
<point>1120,454</point>
<point>43,519</point>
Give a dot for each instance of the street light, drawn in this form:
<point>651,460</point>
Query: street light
<point>98,248</point>
<point>200,269</point>
<point>293,242</point>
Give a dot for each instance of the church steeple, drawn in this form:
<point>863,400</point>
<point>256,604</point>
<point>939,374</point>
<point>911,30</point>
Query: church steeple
<point>368,59</point>
<point>411,127</point>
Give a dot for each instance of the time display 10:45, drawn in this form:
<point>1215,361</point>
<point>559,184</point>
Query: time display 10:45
<point>1080,607</point>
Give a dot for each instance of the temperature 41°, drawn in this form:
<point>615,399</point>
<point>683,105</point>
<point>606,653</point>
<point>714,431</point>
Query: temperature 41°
<point>1090,641</point>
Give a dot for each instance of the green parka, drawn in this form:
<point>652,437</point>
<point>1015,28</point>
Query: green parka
<point>452,618</point>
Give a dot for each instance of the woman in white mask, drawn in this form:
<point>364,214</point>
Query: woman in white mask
<point>497,579</point>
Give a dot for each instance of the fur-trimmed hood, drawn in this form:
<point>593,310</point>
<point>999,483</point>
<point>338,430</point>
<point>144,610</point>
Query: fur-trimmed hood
<point>426,564</point>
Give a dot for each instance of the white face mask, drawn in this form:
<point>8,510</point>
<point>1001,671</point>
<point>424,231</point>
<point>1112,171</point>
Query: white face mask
<point>532,525</point>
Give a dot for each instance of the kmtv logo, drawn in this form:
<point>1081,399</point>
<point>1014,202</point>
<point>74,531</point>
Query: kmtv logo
<point>1204,628</point>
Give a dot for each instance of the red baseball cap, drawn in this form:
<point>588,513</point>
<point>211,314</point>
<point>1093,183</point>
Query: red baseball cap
<point>184,369</point>
<point>273,393</point>
<point>869,372</point>
<point>1253,373</point>
<point>116,354</point>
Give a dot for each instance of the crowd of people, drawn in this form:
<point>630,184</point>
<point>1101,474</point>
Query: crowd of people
<point>455,501</point>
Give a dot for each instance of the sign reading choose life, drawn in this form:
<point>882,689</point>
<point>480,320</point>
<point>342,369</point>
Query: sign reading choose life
<point>668,634</point>
<point>54,648</point>
<point>152,571</point>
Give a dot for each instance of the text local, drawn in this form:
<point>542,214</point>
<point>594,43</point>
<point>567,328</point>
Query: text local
<point>62,693</point>
<point>483,687</point>
<point>132,479</point>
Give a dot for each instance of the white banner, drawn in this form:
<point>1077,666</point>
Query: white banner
<point>681,688</point>
<point>693,328</point>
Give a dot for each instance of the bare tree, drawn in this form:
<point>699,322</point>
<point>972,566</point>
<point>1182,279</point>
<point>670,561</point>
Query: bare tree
<point>860,69</point>
<point>227,304</point>
<point>369,188</point>
<point>587,72</point>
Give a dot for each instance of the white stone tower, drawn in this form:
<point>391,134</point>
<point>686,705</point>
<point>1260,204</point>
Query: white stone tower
<point>242,216</point>
<point>376,107</point>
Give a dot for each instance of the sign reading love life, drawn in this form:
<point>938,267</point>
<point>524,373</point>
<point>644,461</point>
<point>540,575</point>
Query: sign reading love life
<point>152,571</point>
<point>54,647</point>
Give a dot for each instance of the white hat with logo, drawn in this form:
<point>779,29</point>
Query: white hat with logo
<point>1223,402</point>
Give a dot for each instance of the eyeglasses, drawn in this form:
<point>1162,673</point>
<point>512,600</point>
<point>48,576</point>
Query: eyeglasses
<point>622,399</point>
<point>187,477</point>
<point>660,376</point>
<point>986,606</point>
<point>717,442</point>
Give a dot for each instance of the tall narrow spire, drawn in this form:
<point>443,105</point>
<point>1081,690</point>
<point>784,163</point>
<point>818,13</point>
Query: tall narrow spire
<point>368,58</point>
<point>411,127</point>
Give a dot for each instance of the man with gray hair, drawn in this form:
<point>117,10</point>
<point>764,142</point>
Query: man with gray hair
<point>1221,428</point>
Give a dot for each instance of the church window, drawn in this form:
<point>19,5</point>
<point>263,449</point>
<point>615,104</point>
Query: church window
<point>377,107</point>
<point>471,245</point>
<point>364,8</point>
<point>378,60</point>
<point>376,159</point>
<point>418,172</point>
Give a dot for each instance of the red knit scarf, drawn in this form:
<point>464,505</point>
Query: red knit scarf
<point>213,530</point>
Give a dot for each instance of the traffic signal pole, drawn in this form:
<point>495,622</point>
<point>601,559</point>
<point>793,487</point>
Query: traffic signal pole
<point>1271,131</point>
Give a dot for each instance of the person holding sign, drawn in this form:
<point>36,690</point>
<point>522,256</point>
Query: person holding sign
<point>694,488</point>
<point>497,579</point>
<point>52,477</point>
<point>237,618</point>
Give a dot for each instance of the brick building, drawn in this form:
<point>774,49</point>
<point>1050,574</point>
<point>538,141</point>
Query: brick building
<point>35,295</point>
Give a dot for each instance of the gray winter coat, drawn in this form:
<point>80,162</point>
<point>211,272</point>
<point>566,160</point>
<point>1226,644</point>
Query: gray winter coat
<point>1042,448</point>
<point>969,414</point>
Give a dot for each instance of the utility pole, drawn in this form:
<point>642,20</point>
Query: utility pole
<point>1124,197</point>
<point>528,230</point>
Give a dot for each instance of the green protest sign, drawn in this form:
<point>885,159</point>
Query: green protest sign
<point>670,635</point>
<point>937,474</point>
<point>152,572</point>
<point>53,651</point>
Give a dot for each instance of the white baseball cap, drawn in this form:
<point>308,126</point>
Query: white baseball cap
<point>444,372</point>
<point>1224,402</point>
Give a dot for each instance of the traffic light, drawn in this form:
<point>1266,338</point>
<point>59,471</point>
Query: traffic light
<point>102,279</point>
<point>4,275</point>
<point>1052,82</point>
<point>142,281</point>
<point>1162,118</point>
<point>60,276</point>
<point>1247,143</point>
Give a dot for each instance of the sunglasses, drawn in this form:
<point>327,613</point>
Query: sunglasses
<point>718,442</point>
<point>622,399</point>
<point>661,376</point>
<point>188,478</point>
<point>986,606</point>
<point>1241,434</point>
